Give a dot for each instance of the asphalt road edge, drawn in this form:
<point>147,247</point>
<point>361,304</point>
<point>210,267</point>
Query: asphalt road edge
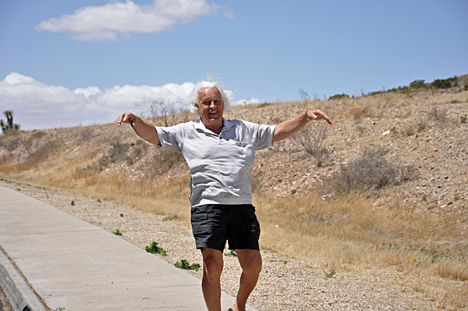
<point>19,291</point>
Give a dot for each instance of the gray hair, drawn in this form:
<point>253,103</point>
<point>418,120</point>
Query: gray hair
<point>194,98</point>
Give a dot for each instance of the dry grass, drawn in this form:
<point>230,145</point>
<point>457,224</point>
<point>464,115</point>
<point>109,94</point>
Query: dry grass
<point>344,232</point>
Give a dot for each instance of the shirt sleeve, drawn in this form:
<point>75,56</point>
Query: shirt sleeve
<point>170,137</point>
<point>264,136</point>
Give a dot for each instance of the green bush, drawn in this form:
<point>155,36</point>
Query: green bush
<point>232,253</point>
<point>184,264</point>
<point>155,249</point>
<point>263,105</point>
<point>445,83</point>
<point>339,96</point>
<point>417,84</point>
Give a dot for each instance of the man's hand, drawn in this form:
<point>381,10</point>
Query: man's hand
<point>127,117</point>
<point>318,115</point>
<point>292,126</point>
<point>145,130</point>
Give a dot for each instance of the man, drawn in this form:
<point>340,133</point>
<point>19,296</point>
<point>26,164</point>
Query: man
<point>220,154</point>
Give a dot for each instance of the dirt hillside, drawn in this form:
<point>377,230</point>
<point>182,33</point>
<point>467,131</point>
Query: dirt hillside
<point>405,149</point>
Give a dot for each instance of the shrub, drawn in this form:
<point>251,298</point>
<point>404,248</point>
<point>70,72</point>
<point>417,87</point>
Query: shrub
<point>371,170</point>
<point>417,84</point>
<point>263,105</point>
<point>310,139</point>
<point>339,96</point>
<point>8,126</point>
<point>232,253</point>
<point>153,248</point>
<point>438,115</point>
<point>163,161</point>
<point>184,264</point>
<point>118,152</point>
<point>444,83</point>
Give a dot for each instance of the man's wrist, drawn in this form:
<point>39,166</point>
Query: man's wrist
<point>307,116</point>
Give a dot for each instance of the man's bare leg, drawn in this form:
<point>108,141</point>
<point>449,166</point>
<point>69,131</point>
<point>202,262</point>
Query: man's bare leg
<point>251,264</point>
<point>211,284</point>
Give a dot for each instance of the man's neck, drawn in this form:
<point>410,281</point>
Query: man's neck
<point>215,129</point>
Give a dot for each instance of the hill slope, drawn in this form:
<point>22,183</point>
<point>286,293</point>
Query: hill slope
<point>391,169</point>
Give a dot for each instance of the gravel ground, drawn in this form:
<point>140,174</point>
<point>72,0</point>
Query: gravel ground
<point>4,302</point>
<point>285,284</point>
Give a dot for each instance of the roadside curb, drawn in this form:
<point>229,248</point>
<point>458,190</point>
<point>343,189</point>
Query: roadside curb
<point>16,287</point>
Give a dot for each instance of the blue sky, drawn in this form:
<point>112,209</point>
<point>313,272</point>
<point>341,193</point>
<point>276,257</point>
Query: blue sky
<point>66,63</point>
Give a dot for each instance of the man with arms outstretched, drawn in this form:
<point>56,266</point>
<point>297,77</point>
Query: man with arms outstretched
<point>220,154</point>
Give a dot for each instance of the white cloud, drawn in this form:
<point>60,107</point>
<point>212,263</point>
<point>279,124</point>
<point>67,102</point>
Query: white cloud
<point>247,101</point>
<point>102,23</point>
<point>38,106</point>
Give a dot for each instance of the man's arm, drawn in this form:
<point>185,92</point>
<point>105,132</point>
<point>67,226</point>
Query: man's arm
<point>145,130</point>
<point>292,126</point>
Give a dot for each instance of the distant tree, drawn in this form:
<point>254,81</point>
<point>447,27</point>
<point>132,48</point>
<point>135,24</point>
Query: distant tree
<point>161,111</point>
<point>445,83</point>
<point>9,126</point>
<point>416,84</point>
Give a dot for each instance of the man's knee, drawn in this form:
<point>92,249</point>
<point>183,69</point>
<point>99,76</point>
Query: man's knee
<point>251,261</point>
<point>212,263</point>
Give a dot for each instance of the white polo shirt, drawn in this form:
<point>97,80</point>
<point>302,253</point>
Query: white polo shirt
<point>220,165</point>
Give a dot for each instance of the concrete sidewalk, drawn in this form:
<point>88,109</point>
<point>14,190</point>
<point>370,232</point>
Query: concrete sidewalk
<point>51,259</point>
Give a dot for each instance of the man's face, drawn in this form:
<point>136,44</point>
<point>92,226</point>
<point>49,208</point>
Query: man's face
<point>211,107</point>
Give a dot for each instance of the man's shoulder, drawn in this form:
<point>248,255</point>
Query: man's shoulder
<point>237,122</point>
<point>184,125</point>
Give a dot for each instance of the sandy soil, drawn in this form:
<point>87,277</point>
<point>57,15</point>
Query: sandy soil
<point>285,284</point>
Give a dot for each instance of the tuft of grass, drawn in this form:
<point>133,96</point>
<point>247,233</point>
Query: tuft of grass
<point>117,232</point>
<point>329,274</point>
<point>232,253</point>
<point>438,115</point>
<point>263,105</point>
<point>72,203</point>
<point>153,248</point>
<point>184,264</point>
<point>171,217</point>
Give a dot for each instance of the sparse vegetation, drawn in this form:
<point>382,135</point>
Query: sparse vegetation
<point>445,83</point>
<point>153,248</point>
<point>231,253</point>
<point>117,232</point>
<point>8,126</point>
<point>338,96</point>
<point>184,264</point>
<point>358,196</point>
<point>417,84</point>
<point>329,274</point>
<point>311,138</point>
<point>370,171</point>
<point>438,115</point>
<point>263,105</point>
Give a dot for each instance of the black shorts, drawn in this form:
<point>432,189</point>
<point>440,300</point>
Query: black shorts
<point>214,224</point>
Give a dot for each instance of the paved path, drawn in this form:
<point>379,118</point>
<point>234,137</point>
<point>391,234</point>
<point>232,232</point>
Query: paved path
<point>51,259</point>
